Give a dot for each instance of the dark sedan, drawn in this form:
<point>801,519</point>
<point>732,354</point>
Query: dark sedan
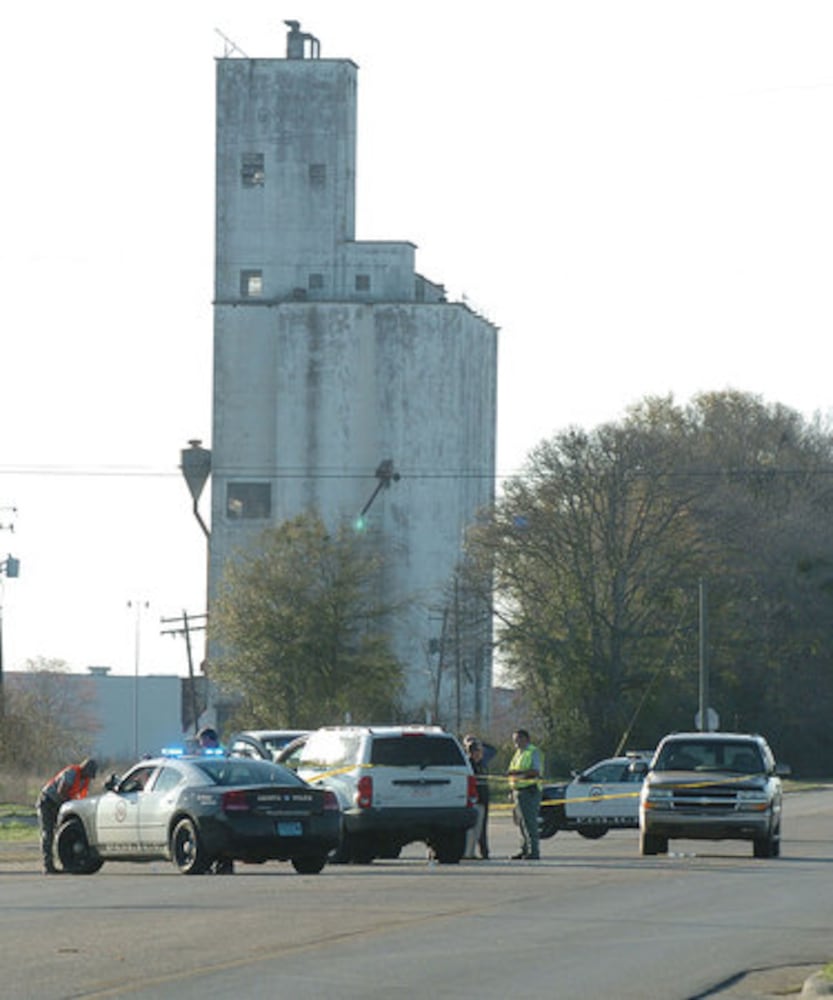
<point>199,810</point>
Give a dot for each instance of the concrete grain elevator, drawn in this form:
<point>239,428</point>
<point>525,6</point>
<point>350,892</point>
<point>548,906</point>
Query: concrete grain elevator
<point>338,368</point>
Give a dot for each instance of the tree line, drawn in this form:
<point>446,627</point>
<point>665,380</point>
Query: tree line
<point>591,563</point>
<point>596,553</point>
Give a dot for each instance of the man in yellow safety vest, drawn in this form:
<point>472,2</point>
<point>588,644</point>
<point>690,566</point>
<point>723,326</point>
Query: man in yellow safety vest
<point>524,771</point>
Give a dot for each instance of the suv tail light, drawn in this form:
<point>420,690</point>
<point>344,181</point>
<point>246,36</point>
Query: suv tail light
<point>235,801</point>
<point>364,792</point>
<point>472,790</point>
<point>330,801</point>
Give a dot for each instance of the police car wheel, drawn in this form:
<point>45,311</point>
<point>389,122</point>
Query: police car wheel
<point>73,849</point>
<point>592,832</point>
<point>309,864</point>
<point>187,850</point>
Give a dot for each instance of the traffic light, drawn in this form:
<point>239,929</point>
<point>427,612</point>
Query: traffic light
<point>360,524</point>
<point>12,566</point>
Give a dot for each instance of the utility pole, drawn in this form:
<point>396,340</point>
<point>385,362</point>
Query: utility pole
<point>185,627</point>
<point>9,567</point>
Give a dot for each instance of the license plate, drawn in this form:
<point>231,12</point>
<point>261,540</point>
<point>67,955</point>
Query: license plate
<point>289,829</point>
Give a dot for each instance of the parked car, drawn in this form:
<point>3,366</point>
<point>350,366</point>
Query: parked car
<point>600,798</point>
<point>395,785</point>
<point>712,786</point>
<point>198,810</point>
<point>264,744</point>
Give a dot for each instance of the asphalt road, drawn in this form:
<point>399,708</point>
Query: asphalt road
<point>591,919</point>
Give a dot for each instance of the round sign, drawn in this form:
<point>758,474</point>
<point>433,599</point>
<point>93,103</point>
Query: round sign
<point>712,721</point>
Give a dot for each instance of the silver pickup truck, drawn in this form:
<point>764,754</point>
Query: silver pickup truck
<point>712,786</point>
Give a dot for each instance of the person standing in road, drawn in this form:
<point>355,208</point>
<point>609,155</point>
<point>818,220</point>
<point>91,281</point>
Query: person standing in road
<point>477,835</point>
<point>524,771</point>
<point>73,782</point>
<point>208,742</point>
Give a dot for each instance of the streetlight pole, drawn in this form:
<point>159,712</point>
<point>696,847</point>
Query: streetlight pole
<point>196,468</point>
<point>9,567</point>
<point>137,606</point>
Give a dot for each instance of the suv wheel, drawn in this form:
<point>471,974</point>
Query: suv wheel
<point>352,849</point>
<point>449,847</point>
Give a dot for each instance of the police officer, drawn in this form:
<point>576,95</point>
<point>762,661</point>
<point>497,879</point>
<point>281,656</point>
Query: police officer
<point>73,782</point>
<point>208,740</point>
<point>524,772</point>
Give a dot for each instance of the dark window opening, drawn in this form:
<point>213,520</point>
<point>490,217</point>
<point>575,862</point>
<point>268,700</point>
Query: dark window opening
<point>316,282</point>
<point>251,284</point>
<point>318,174</point>
<point>248,501</point>
<point>362,282</point>
<point>252,171</point>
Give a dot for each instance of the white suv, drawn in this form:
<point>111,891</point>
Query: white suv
<point>395,785</point>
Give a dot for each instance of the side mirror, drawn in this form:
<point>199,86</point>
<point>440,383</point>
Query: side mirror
<point>638,767</point>
<point>111,783</point>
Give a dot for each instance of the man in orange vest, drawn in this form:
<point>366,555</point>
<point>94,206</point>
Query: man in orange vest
<point>73,782</point>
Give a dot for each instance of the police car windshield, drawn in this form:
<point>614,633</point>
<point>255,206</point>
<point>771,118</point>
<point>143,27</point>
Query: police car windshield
<point>243,771</point>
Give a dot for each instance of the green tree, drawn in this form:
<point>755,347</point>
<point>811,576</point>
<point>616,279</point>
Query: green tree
<point>593,552</point>
<point>301,627</point>
<point>771,620</point>
<point>597,550</point>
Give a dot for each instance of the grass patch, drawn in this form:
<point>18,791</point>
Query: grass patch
<point>16,831</point>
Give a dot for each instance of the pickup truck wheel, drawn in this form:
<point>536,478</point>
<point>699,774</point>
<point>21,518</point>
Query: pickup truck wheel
<point>73,849</point>
<point>650,843</point>
<point>767,847</point>
<point>592,832</point>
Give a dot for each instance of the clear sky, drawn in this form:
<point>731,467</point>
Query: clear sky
<point>639,194</point>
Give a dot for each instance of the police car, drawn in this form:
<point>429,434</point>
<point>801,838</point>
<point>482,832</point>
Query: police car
<point>601,798</point>
<point>198,811</point>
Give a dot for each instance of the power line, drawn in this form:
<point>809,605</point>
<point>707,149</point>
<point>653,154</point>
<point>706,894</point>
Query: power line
<point>134,472</point>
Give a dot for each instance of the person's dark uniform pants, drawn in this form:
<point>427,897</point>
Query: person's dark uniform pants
<point>528,801</point>
<point>47,818</point>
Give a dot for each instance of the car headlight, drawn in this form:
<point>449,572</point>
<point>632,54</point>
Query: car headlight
<point>658,798</point>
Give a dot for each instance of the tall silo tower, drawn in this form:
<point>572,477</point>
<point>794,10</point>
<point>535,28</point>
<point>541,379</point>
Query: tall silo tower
<point>338,368</point>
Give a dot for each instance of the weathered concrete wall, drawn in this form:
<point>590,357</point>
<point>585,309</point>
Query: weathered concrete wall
<point>313,397</point>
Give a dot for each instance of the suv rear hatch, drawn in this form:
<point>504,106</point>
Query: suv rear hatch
<point>418,770</point>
